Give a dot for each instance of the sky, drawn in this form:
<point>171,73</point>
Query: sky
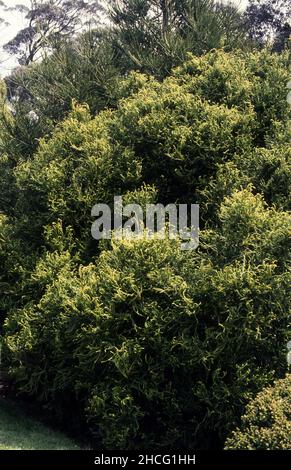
<point>16,21</point>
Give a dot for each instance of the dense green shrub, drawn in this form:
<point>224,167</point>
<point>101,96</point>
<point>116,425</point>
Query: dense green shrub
<point>254,79</point>
<point>16,263</point>
<point>180,136</point>
<point>266,169</point>
<point>77,168</point>
<point>155,347</point>
<point>158,347</point>
<point>266,424</point>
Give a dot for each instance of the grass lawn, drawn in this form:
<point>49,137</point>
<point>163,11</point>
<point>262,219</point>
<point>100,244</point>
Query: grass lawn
<point>19,432</point>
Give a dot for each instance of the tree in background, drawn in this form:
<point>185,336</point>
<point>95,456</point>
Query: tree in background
<point>149,36</point>
<point>48,21</point>
<point>155,35</point>
<point>3,22</point>
<point>50,34</point>
<point>269,21</point>
<point>84,69</point>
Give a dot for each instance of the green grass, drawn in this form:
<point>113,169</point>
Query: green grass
<point>20,432</point>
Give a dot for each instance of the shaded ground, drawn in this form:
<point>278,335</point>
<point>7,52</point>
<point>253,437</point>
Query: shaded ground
<point>20,432</point>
